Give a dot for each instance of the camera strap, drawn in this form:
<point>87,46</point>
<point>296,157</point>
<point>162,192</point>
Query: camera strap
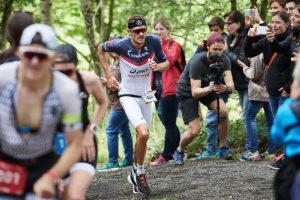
<point>272,59</point>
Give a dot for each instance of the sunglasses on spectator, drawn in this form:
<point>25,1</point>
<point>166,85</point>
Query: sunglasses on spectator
<point>41,54</point>
<point>67,72</point>
<point>140,30</point>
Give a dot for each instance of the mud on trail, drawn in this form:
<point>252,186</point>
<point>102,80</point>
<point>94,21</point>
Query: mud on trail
<point>204,179</point>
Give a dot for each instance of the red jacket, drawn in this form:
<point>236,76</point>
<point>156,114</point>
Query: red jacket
<point>172,75</point>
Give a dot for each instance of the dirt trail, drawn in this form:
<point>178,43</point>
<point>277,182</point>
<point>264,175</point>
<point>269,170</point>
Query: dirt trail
<point>205,179</point>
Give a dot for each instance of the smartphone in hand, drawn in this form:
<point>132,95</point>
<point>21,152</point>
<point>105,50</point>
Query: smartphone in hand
<point>249,13</point>
<point>261,30</point>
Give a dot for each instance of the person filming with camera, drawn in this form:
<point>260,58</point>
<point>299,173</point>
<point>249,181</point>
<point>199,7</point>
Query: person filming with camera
<point>200,81</point>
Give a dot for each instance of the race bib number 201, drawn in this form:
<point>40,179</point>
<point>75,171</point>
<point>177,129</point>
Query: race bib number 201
<point>12,179</point>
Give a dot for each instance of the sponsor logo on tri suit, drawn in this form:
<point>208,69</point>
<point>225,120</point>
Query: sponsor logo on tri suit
<point>132,55</point>
<point>139,73</point>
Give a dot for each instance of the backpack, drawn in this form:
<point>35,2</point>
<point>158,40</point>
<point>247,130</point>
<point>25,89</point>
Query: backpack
<point>179,66</point>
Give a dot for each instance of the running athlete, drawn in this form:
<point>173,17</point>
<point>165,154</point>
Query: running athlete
<point>32,103</point>
<point>89,84</point>
<point>136,63</point>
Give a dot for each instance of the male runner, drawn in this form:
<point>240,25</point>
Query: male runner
<point>136,63</point>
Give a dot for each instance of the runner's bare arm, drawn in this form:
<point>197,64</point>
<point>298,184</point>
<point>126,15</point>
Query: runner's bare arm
<point>112,83</point>
<point>95,88</point>
<point>44,186</point>
<point>164,66</point>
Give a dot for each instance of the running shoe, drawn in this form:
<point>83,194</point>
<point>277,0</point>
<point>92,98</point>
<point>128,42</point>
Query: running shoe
<point>142,185</point>
<point>139,183</point>
<point>276,164</point>
<point>109,167</point>
<point>225,152</point>
<point>130,179</point>
<point>205,154</point>
<point>250,156</point>
<point>125,163</point>
<point>178,158</point>
<point>158,161</point>
<point>268,156</point>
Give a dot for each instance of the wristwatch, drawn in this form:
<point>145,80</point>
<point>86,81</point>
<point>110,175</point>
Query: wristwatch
<point>94,128</point>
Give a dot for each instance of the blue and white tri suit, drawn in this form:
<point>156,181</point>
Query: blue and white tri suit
<point>135,75</point>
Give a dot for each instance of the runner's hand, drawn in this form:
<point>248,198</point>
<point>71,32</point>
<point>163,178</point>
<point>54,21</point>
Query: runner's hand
<point>88,151</point>
<point>44,187</point>
<point>112,83</point>
<point>153,65</point>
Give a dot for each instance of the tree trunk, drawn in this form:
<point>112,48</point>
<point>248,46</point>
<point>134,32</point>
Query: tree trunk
<point>233,4</point>
<point>6,8</point>
<point>263,9</point>
<point>87,12</point>
<point>108,27</point>
<point>45,6</point>
<point>154,10</point>
<point>187,32</point>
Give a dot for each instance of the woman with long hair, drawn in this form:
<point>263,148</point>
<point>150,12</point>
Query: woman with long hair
<point>165,85</point>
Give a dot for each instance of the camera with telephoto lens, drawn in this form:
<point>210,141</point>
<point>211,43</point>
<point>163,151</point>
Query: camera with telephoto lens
<point>216,69</point>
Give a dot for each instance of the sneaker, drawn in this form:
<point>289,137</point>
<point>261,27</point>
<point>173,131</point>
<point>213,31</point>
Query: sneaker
<point>158,161</point>
<point>125,163</point>
<point>268,156</point>
<point>225,152</point>
<point>250,156</point>
<point>277,164</point>
<point>142,185</point>
<point>130,179</point>
<point>109,167</point>
<point>139,183</point>
<point>205,154</point>
<point>178,158</point>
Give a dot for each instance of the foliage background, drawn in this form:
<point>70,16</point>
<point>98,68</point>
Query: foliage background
<point>188,19</point>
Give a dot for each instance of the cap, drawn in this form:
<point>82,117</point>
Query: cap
<point>215,37</point>
<point>47,36</point>
<point>67,53</point>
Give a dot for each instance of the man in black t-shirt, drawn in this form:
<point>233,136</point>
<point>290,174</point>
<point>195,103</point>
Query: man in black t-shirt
<point>198,83</point>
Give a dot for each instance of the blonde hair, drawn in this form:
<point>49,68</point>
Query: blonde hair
<point>164,23</point>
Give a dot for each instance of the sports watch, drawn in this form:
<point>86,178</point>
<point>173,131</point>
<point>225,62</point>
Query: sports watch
<point>94,128</point>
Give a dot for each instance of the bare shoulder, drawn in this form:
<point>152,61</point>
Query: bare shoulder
<point>90,79</point>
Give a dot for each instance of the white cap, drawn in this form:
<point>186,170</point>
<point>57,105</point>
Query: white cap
<point>47,35</point>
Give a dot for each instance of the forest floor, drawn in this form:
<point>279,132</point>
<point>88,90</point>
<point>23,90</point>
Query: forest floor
<point>202,179</point>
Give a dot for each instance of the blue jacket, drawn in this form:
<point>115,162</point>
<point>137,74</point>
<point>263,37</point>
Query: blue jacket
<point>286,128</point>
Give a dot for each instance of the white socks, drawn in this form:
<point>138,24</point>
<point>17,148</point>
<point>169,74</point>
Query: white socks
<point>140,169</point>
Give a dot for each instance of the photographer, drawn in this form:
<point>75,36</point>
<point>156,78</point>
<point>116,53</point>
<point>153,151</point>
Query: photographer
<point>200,82</point>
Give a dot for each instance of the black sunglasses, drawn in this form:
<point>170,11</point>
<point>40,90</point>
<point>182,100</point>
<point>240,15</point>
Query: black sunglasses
<point>40,56</point>
<point>140,30</point>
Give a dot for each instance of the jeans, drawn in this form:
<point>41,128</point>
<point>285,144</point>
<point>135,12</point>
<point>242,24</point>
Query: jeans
<point>244,100</point>
<point>211,127</point>
<point>167,109</point>
<point>251,126</point>
<point>118,123</point>
<point>275,102</point>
